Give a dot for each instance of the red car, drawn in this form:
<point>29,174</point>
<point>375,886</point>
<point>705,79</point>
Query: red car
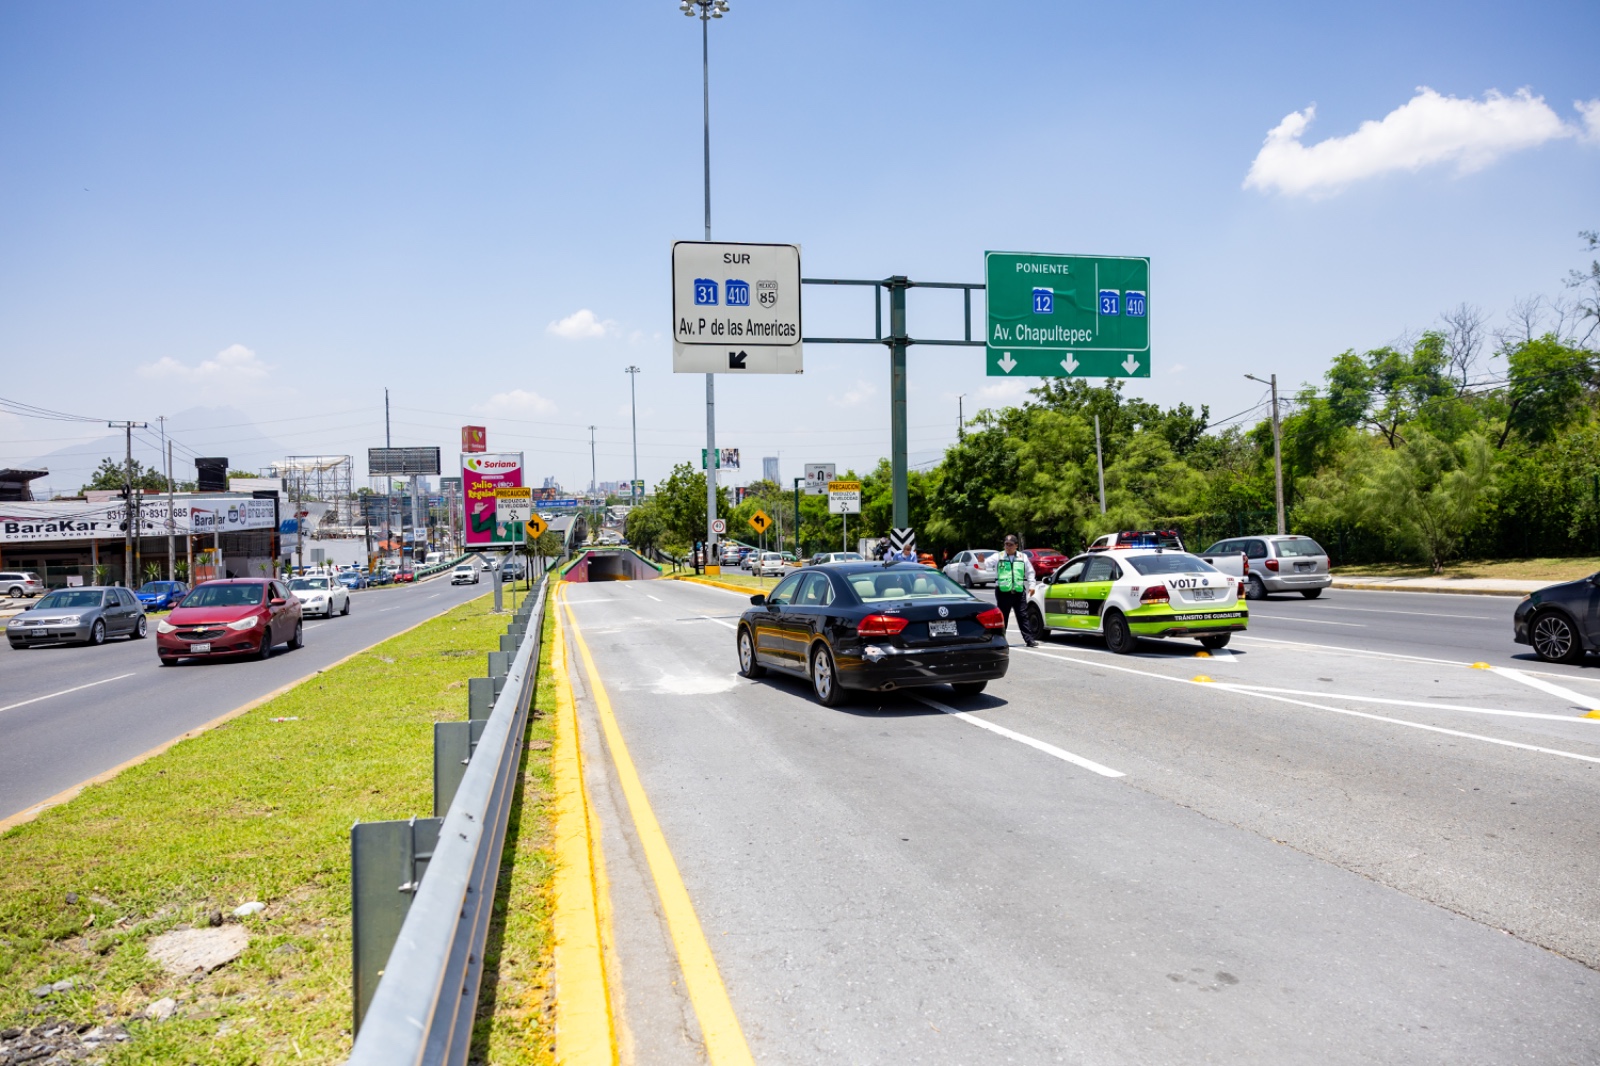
<point>1044,560</point>
<point>247,616</point>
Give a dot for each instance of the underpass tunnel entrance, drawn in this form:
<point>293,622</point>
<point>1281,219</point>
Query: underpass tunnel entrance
<point>613,564</point>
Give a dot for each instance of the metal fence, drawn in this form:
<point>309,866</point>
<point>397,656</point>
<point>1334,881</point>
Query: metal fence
<point>423,889</point>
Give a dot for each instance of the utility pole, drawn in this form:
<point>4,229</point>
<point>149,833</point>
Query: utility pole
<point>797,516</point>
<point>1277,448</point>
<point>594,486</point>
<point>633,400</point>
<point>127,485</point>
<point>961,417</point>
<point>708,10</point>
<point>172,517</point>
<point>388,483</point>
<point>1100,464</point>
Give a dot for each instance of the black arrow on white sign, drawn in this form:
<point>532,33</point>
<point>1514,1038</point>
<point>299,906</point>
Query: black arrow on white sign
<point>736,360</point>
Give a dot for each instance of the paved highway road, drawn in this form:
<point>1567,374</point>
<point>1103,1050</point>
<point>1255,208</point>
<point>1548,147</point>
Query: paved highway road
<point>1347,845</point>
<point>69,713</point>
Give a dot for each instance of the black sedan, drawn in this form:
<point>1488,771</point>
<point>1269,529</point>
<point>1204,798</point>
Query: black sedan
<point>1561,621</point>
<point>874,627</point>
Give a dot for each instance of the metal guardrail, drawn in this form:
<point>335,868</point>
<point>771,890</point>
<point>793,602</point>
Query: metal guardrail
<point>423,889</point>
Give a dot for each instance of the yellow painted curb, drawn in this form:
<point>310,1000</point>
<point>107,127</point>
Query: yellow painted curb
<point>1203,679</point>
<point>719,1026</point>
<point>584,1031</point>
<point>106,775</point>
<point>745,589</point>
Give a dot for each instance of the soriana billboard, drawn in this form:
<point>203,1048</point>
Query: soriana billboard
<point>474,439</point>
<point>480,476</point>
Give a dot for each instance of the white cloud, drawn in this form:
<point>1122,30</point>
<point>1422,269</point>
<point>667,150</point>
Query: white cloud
<point>234,365</point>
<point>582,325</point>
<point>1590,110</point>
<point>1007,392</point>
<point>518,403</point>
<point>855,397</point>
<point>1426,130</point>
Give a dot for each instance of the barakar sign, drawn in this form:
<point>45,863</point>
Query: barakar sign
<point>34,523</point>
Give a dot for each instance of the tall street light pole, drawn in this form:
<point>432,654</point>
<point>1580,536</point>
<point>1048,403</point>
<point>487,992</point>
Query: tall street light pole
<point>633,401</point>
<point>708,10</point>
<point>1277,447</point>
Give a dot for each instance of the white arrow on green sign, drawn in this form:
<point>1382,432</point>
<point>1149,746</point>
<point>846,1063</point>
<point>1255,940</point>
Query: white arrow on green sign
<point>1067,315</point>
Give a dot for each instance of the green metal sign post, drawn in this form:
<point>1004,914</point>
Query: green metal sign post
<point>1067,315</point>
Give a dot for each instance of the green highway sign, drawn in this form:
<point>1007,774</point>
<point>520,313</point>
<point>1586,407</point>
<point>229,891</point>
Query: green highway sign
<point>1067,315</point>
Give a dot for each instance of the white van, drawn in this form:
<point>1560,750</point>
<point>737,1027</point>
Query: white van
<point>433,559</point>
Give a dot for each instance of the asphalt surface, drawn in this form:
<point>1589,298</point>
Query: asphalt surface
<point>1348,845</point>
<point>70,713</point>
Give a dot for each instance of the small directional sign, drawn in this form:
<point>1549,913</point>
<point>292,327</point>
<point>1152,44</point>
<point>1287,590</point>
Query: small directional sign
<point>1067,315</point>
<point>536,527</point>
<point>760,522</point>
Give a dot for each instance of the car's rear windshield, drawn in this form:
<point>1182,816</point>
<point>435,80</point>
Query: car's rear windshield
<point>55,601</point>
<point>1300,546</point>
<point>1173,563</point>
<point>224,596</point>
<point>905,585</point>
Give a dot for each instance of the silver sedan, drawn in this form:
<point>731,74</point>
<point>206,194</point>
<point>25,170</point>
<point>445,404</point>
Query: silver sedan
<point>79,616</point>
<point>967,568</point>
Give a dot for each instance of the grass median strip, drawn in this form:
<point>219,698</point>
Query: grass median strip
<point>256,810</point>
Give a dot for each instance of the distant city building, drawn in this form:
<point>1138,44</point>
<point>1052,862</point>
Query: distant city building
<point>769,469</point>
<point>551,483</point>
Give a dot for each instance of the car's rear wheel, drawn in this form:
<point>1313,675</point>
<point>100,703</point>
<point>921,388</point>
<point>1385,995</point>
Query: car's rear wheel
<point>1119,637</point>
<point>968,688</point>
<point>966,579</point>
<point>747,656</point>
<point>1255,589</point>
<point>1217,642</point>
<point>141,630</point>
<point>1554,638</point>
<point>1036,622</point>
<point>15,592</point>
<point>97,632</point>
<point>1310,594</point>
<point>346,606</point>
<point>825,677</point>
<point>299,639</point>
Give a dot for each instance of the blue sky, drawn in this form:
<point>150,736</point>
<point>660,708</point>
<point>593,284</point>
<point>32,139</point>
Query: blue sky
<point>284,208</point>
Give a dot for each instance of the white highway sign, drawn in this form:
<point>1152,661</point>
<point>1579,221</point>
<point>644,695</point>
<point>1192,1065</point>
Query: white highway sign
<point>735,308</point>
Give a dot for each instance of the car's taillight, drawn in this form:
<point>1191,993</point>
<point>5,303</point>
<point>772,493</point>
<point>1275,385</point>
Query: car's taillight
<point>880,625</point>
<point>1241,588</point>
<point>1246,560</point>
<point>1272,564</point>
<point>1156,594</point>
<point>992,619</point>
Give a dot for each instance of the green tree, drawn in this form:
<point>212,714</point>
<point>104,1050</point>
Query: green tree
<point>1549,383</point>
<point>111,475</point>
<point>1431,493</point>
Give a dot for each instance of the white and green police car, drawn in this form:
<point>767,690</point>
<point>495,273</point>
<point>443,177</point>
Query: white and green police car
<point>1127,593</point>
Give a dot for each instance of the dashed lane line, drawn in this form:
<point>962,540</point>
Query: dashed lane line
<point>1409,703</point>
<point>66,691</point>
<point>1313,621</point>
<point>1021,738</point>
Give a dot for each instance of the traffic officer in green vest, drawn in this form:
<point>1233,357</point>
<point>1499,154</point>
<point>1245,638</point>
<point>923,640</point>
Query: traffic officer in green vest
<point>1013,581</point>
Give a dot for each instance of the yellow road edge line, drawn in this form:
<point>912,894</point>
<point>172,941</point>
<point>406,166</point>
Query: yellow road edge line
<point>585,1033</point>
<point>719,1026</point>
<point>749,590</point>
<point>72,791</point>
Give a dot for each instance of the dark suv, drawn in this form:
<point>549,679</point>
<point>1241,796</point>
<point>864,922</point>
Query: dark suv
<point>1561,621</point>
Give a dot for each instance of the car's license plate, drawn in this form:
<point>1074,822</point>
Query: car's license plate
<point>37,632</point>
<point>1305,566</point>
<point>198,648</point>
<point>941,629</point>
<point>1204,594</point>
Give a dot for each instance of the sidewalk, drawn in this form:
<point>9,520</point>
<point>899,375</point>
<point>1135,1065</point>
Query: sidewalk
<point>1480,586</point>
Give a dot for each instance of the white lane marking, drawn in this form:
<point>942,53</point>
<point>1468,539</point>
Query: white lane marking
<point>1316,621</point>
<point>1351,651</point>
<point>1223,655</point>
<point>719,621</point>
<point>1588,703</point>
<point>1021,738</point>
<point>1410,703</point>
<point>66,691</point>
<point>1320,707</point>
<point>386,610</point>
<point>1419,614</point>
<point>653,597</point>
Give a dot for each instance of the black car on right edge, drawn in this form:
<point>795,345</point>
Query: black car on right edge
<point>873,627</point>
<point>1561,621</point>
